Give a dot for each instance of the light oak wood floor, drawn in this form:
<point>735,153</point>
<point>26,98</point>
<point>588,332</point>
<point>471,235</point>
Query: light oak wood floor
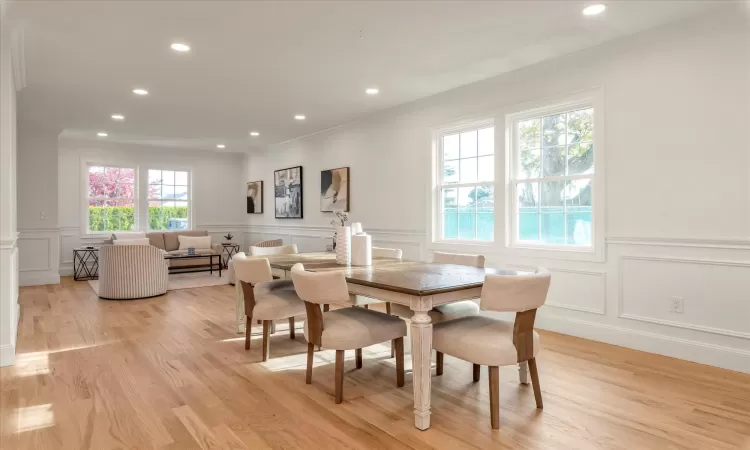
<point>171,372</point>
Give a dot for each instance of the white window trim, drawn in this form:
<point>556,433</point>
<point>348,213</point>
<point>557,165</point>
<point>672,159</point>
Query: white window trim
<point>85,195</point>
<point>437,156</point>
<point>189,171</point>
<point>595,252</point>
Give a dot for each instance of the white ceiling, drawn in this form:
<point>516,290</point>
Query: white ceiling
<point>254,65</point>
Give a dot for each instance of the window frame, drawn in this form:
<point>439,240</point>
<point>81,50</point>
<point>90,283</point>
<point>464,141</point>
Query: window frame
<point>85,216</point>
<point>189,201</point>
<point>439,185</point>
<point>594,252</point>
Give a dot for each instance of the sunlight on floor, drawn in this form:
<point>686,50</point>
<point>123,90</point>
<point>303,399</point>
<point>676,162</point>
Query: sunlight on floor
<point>35,417</point>
<point>30,364</point>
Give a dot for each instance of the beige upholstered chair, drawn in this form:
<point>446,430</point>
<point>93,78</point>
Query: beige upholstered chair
<point>230,265</point>
<point>486,341</point>
<point>382,252</point>
<point>131,271</point>
<point>270,243</point>
<point>346,328</point>
<point>449,311</point>
<point>265,299</point>
<point>267,251</point>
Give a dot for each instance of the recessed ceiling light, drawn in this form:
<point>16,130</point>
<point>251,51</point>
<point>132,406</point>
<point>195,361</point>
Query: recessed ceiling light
<point>372,91</point>
<point>101,134</point>
<point>180,47</point>
<point>221,146</point>
<point>118,117</point>
<point>300,117</point>
<point>594,10</point>
<point>139,91</point>
<point>254,133</point>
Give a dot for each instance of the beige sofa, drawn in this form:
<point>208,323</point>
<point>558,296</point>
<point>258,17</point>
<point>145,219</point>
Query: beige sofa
<point>168,241</point>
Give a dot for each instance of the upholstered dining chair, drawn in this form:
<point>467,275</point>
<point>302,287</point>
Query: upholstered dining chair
<point>270,243</point>
<point>346,328</point>
<point>449,311</point>
<point>486,341</point>
<point>279,250</point>
<point>265,299</point>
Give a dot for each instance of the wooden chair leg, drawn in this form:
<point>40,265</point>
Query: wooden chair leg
<point>367,306</point>
<point>495,396</point>
<point>248,329</point>
<point>339,369</point>
<point>388,309</point>
<point>326,307</point>
<point>310,351</point>
<point>266,339</point>
<point>291,328</point>
<point>535,383</point>
<point>393,349</point>
<point>439,363</point>
<point>399,344</point>
<point>477,369</point>
<point>358,358</point>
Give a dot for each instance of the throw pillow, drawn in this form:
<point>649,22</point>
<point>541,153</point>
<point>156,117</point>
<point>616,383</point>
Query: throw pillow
<point>198,242</point>
<point>143,241</point>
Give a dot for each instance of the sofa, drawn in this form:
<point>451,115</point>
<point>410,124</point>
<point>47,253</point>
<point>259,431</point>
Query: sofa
<point>169,242</point>
<point>129,272</point>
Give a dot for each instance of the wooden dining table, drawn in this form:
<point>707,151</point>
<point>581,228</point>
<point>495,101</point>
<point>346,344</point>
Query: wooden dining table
<point>418,285</point>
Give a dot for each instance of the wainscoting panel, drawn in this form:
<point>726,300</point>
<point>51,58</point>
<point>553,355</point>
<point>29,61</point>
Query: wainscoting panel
<point>38,256</point>
<point>575,290</point>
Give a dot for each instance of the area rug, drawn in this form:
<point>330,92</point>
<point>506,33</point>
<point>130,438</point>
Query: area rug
<point>185,280</point>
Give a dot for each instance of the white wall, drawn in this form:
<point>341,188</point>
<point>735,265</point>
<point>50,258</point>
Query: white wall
<point>8,235</point>
<point>677,189</point>
<point>218,202</point>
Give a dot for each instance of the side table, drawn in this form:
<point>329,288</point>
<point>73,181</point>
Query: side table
<point>229,250</point>
<point>85,263</point>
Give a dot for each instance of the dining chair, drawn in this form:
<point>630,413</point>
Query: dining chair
<point>343,329</point>
<point>380,252</point>
<point>268,251</point>
<point>270,243</point>
<point>265,299</point>
<point>449,311</point>
<point>486,341</point>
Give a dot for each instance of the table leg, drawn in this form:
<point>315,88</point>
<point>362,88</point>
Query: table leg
<point>421,355</point>
<point>219,266</point>
<point>523,372</point>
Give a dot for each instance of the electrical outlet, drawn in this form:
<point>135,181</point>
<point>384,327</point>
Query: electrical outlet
<point>42,215</point>
<point>675,304</point>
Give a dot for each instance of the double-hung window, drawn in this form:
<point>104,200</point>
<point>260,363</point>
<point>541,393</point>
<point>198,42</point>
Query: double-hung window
<point>168,199</point>
<point>111,198</point>
<point>465,183</point>
<point>552,177</point>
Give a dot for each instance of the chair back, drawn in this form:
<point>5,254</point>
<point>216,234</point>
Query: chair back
<point>381,252</point>
<point>515,293</point>
<point>132,271</point>
<point>321,287</point>
<point>252,270</point>
<point>270,243</point>
<point>268,251</point>
<point>459,259</point>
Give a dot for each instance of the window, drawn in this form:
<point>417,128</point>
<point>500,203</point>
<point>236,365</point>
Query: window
<point>111,198</point>
<point>552,177</point>
<point>168,199</point>
<point>466,184</point>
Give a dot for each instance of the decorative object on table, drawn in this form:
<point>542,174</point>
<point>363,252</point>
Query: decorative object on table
<point>342,217</point>
<point>361,249</point>
<point>85,263</point>
<point>229,250</point>
<point>191,251</point>
<point>334,190</point>
<point>228,237</point>
<point>343,245</point>
<point>287,187</point>
<point>255,197</point>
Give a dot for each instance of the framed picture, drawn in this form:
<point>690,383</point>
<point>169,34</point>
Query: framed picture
<point>255,197</point>
<point>334,190</point>
<point>287,192</point>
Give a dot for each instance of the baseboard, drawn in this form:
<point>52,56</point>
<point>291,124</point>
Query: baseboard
<point>66,269</point>
<point>38,278</point>
<point>699,352</point>
<point>7,355</point>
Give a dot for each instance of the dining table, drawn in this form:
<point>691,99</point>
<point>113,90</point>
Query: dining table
<point>419,285</point>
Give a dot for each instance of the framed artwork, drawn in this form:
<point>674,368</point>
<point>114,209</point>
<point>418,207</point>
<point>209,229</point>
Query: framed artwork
<point>334,190</point>
<point>287,192</point>
<point>255,197</point>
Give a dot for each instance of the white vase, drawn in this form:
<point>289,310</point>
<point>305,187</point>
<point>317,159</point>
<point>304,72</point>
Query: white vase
<point>361,250</point>
<point>343,246</point>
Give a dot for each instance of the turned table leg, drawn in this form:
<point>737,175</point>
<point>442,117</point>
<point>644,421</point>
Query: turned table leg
<point>421,355</point>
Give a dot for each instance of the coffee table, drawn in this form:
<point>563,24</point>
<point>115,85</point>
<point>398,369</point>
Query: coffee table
<point>211,255</point>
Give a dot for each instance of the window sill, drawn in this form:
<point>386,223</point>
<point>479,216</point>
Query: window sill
<point>469,243</point>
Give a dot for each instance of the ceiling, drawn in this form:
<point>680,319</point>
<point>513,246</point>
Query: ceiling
<point>254,65</point>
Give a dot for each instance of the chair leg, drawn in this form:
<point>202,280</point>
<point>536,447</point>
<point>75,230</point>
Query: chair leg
<point>477,369</point>
<point>439,363</point>
<point>388,309</point>
<point>291,328</point>
<point>339,369</point>
<point>358,358</point>
<point>248,327</point>
<point>393,349</point>
<point>495,396</point>
<point>367,306</point>
<point>535,383</point>
<point>399,344</point>
<point>326,307</point>
<point>310,351</point>
<point>266,339</point>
